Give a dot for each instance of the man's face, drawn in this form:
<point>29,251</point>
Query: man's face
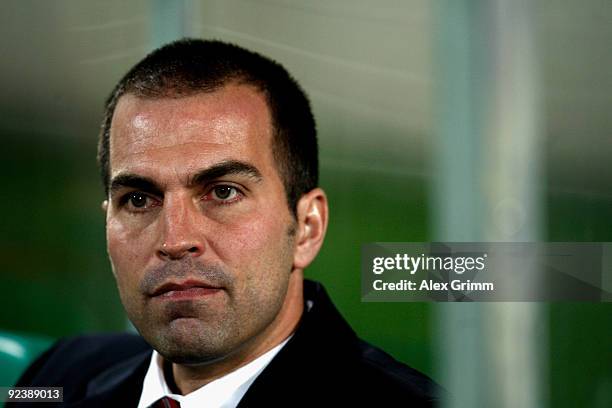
<point>198,229</point>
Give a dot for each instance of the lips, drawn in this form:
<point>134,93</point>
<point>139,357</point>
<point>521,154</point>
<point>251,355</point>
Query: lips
<point>184,290</point>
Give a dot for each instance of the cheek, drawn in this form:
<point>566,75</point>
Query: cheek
<point>128,249</point>
<point>252,245</point>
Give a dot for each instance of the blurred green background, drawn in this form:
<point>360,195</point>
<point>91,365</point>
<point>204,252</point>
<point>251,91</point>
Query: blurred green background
<point>369,70</point>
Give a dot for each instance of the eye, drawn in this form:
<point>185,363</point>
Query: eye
<point>137,201</point>
<point>223,194</point>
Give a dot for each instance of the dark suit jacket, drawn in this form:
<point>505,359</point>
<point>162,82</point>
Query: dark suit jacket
<point>324,364</point>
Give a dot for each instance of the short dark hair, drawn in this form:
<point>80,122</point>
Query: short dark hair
<point>190,66</point>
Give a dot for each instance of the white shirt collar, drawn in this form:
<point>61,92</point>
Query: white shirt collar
<point>224,392</point>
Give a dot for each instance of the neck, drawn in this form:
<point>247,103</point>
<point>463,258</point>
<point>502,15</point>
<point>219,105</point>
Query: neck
<point>189,378</point>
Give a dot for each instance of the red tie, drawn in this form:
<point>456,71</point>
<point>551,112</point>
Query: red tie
<point>166,402</point>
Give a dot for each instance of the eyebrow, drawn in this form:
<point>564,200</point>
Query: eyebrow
<point>134,181</point>
<point>146,184</point>
<point>230,167</point>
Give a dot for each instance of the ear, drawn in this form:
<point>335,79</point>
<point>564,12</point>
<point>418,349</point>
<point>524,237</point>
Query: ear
<point>104,205</point>
<point>312,217</point>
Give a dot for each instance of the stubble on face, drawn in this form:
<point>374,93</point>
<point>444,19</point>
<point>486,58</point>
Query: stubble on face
<point>204,331</point>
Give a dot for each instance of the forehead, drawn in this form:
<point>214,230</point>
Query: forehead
<point>193,131</point>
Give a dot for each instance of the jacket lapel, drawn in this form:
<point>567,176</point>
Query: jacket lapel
<point>118,386</point>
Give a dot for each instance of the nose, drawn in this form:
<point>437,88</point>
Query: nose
<point>180,235</point>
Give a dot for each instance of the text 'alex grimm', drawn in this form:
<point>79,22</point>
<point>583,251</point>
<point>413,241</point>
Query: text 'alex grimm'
<point>404,262</point>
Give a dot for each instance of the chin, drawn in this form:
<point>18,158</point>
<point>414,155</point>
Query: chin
<point>188,354</point>
<point>189,347</point>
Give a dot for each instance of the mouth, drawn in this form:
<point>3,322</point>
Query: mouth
<point>185,290</point>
